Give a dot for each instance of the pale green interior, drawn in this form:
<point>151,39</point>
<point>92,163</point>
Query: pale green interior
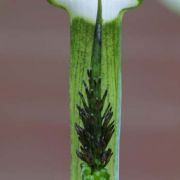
<point>82,35</point>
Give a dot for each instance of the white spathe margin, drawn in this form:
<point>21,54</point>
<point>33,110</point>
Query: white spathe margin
<point>88,8</point>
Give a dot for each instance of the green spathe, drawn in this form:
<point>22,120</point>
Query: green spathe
<point>82,33</point>
<point>83,16</point>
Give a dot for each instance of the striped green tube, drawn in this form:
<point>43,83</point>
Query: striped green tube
<point>82,33</point>
<point>82,38</point>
